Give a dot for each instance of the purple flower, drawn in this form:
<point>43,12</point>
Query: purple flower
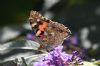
<point>57,57</point>
<point>73,40</point>
<point>30,36</point>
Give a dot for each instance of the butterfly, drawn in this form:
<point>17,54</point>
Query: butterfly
<point>49,34</point>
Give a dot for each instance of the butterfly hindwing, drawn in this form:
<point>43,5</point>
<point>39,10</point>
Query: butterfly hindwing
<point>51,33</point>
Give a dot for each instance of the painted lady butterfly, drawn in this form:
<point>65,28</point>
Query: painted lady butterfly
<point>48,33</point>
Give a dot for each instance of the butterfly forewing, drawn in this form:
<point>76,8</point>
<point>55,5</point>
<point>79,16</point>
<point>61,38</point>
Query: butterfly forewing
<point>54,33</point>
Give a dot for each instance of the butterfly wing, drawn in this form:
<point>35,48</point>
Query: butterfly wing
<point>54,33</point>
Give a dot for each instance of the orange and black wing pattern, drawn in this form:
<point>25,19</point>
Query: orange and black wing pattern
<point>50,33</point>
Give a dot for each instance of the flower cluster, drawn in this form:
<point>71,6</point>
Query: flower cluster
<point>57,57</point>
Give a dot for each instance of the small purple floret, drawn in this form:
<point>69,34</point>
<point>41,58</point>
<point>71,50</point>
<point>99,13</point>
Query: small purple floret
<point>30,36</point>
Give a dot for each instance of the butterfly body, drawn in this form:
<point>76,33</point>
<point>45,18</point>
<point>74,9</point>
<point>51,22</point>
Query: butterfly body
<point>52,33</point>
